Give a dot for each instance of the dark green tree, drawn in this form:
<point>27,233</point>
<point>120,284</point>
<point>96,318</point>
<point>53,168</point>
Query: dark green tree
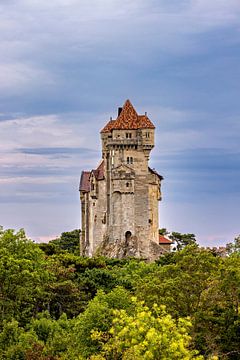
<point>182,240</point>
<point>68,241</point>
<point>23,276</point>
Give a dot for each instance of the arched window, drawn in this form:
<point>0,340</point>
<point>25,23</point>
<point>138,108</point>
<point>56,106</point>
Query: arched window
<point>128,235</point>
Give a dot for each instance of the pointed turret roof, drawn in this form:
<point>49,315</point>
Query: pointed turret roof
<point>128,119</point>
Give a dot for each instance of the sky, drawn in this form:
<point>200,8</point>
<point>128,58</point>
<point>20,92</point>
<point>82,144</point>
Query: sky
<point>66,66</point>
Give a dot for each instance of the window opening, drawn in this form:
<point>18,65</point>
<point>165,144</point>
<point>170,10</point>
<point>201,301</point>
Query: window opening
<point>129,160</point>
<point>128,235</point>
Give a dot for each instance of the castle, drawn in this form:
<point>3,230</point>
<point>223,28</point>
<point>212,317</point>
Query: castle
<point>119,199</point>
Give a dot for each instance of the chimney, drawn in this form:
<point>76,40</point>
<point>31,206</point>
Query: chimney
<point>119,110</point>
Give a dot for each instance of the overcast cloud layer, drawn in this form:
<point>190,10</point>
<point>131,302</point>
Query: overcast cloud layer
<point>65,67</point>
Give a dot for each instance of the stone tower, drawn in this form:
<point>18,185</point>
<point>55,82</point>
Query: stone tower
<point>119,200</point>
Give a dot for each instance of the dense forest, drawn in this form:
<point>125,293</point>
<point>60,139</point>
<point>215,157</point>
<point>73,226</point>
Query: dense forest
<point>56,305</point>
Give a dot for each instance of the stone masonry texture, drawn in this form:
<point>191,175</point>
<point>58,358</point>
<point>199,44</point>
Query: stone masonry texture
<point>119,199</point>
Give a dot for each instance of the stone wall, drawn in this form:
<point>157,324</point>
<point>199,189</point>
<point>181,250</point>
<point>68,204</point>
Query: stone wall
<point>120,213</point>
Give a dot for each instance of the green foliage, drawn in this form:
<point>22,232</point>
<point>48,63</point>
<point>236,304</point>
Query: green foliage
<point>182,240</point>
<point>44,339</point>
<point>235,246</point>
<point>52,301</point>
<point>14,342</point>
<point>98,316</point>
<point>22,276</point>
<point>54,334</point>
<point>179,285</point>
<point>163,231</point>
<point>146,334</point>
<point>68,241</point>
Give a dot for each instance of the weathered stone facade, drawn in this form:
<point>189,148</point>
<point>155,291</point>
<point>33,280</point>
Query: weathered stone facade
<point>119,200</point>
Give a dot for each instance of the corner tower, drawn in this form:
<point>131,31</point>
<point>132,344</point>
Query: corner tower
<point>125,195</point>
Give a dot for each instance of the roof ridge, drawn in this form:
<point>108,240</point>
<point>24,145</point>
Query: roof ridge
<point>127,116</point>
<point>128,119</point>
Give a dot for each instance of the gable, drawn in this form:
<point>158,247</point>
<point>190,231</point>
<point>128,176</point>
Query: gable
<point>123,172</point>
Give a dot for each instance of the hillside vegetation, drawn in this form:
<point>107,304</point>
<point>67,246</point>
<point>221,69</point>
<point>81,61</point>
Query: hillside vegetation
<point>56,305</point>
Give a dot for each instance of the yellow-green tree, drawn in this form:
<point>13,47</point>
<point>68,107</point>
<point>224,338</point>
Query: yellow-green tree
<point>146,334</point>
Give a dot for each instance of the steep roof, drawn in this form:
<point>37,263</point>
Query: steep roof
<point>129,119</point>
<point>163,240</point>
<point>85,177</point>
<point>84,181</point>
<point>108,126</point>
<point>99,172</point>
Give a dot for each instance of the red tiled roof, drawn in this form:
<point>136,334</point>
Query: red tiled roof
<point>84,182</point>
<point>163,240</point>
<point>129,120</point>
<point>156,173</point>
<point>108,126</point>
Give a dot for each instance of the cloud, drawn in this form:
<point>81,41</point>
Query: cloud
<point>16,78</point>
<point>82,28</point>
<point>65,56</point>
<point>57,151</point>
<point>31,170</point>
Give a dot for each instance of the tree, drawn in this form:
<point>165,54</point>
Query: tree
<point>182,240</point>
<point>180,284</point>
<point>163,231</point>
<point>22,276</point>
<point>97,317</point>
<point>235,246</point>
<point>146,334</point>
<point>68,241</point>
<point>45,339</point>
